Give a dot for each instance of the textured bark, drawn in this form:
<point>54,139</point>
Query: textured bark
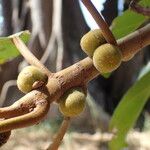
<point>106,92</point>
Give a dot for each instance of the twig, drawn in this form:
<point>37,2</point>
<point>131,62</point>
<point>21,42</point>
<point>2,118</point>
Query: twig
<point>28,55</point>
<point>134,42</point>
<point>58,139</point>
<point>75,75</point>
<point>28,111</point>
<point>139,9</point>
<point>100,21</point>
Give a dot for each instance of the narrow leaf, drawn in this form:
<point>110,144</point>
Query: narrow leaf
<point>129,21</point>
<point>144,70</point>
<point>129,110</point>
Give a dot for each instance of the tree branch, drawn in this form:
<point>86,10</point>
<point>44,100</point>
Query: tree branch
<point>83,71</point>
<point>139,9</point>
<point>100,21</point>
<point>58,139</point>
<point>76,75</point>
<point>134,42</point>
<point>28,111</point>
<point>30,58</point>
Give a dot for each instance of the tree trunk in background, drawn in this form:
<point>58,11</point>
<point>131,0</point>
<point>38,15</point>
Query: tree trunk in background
<point>7,13</point>
<point>73,28</point>
<point>16,18</point>
<point>6,72</point>
<point>110,10</point>
<point>41,16</point>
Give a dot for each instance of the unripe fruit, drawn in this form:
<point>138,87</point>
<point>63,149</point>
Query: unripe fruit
<point>72,103</point>
<point>4,137</point>
<point>28,76</point>
<point>91,40</point>
<point>107,58</point>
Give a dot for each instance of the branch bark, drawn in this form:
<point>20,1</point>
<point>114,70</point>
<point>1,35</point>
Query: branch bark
<point>83,71</point>
<point>58,139</point>
<point>100,21</point>
<point>76,75</point>
<point>31,59</point>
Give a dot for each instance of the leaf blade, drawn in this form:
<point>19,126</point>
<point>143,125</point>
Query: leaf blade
<point>131,104</point>
<point>128,22</point>
<point>8,49</point>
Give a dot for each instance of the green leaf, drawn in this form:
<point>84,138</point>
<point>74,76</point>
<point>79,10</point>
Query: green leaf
<point>144,70</point>
<point>129,21</point>
<point>128,111</point>
<point>8,49</point>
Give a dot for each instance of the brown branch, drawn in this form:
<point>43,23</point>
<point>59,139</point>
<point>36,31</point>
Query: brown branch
<point>30,58</point>
<point>30,109</point>
<point>59,137</point>
<point>21,106</point>
<point>83,71</point>
<point>100,21</point>
<point>139,9</point>
<point>134,42</point>
<point>27,111</point>
<point>76,75</point>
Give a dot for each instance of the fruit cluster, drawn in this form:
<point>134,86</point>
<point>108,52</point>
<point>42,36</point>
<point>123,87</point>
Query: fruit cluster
<point>106,57</point>
<point>71,104</point>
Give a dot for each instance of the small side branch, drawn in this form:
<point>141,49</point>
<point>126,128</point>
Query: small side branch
<point>100,21</point>
<point>58,139</point>
<point>27,111</point>
<point>134,42</point>
<point>31,59</point>
<point>139,9</point>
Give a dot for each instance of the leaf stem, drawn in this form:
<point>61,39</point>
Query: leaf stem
<point>58,139</point>
<point>134,6</point>
<point>30,58</point>
<point>100,21</point>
